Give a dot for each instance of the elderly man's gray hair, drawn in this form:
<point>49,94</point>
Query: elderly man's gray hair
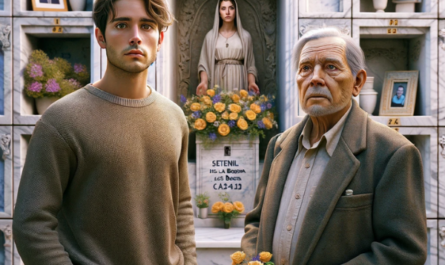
<point>354,54</point>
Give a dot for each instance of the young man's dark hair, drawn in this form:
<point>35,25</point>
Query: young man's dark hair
<point>156,9</point>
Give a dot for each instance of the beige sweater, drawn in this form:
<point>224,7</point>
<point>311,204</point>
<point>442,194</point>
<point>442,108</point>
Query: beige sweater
<point>105,182</point>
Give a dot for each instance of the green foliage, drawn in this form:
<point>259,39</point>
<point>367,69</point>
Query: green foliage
<point>202,200</point>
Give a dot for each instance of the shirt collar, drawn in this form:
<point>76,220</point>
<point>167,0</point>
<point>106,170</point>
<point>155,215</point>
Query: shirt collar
<point>331,137</point>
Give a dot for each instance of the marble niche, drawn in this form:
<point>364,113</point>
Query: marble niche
<point>325,8</point>
<point>365,9</point>
<point>76,43</point>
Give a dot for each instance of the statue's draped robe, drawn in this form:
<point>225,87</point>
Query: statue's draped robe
<point>217,59</point>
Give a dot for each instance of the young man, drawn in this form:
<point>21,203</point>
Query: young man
<point>105,179</point>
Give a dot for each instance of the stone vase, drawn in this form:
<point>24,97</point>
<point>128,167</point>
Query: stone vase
<point>203,213</point>
<point>405,6</point>
<point>380,5</point>
<point>368,96</point>
<point>43,103</point>
<point>77,5</point>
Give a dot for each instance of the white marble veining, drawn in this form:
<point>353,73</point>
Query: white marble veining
<point>413,47</point>
<point>441,49</point>
<point>6,118</point>
<point>441,176</point>
<point>432,243</point>
<point>6,131</point>
<point>425,139</point>
<point>23,8</point>
<point>27,32</point>
<point>22,136</point>
<point>7,8</point>
<point>306,25</point>
<point>218,237</point>
<point>365,9</point>
<point>325,8</point>
<point>441,9</point>
<point>6,229</point>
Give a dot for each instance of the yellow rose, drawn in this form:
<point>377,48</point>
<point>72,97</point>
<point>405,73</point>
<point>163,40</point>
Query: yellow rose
<point>265,256</point>
<point>250,114</point>
<point>238,257</point>
<point>220,107</point>
<point>267,123</point>
<point>224,129</point>
<point>210,92</point>
<point>217,206</point>
<point>234,108</point>
<point>210,117</point>
<point>255,108</point>
<point>243,93</point>
<point>228,207</point>
<point>239,206</point>
<point>195,107</point>
<point>242,124</point>
<point>207,100</point>
<point>233,116</point>
<point>254,263</point>
<point>200,124</point>
<point>235,98</point>
<point>225,115</point>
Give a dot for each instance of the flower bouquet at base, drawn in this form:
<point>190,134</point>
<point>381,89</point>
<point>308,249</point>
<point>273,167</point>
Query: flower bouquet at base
<point>261,259</point>
<point>220,115</point>
<point>52,78</point>
<point>227,210</point>
<point>202,202</point>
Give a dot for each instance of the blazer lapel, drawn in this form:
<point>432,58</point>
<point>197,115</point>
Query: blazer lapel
<point>339,172</point>
<point>288,145</point>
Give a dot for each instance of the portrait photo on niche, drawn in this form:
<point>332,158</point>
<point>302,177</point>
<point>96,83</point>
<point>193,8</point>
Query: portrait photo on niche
<point>399,92</point>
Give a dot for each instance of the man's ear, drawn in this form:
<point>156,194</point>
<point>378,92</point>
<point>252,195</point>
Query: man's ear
<point>161,40</point>
<point>360,80</point>
<point>100,38</point>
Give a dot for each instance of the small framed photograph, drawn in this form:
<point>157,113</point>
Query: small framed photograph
<point>49,5</point>
<point>399,93</point>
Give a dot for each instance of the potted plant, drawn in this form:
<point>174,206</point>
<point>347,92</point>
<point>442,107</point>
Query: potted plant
<point>48,80</point>
<point>227,210</point>
<point>202,202</point>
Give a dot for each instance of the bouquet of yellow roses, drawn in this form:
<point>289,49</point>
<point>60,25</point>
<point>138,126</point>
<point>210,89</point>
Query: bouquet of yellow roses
<point>261,259</point>
<point>227,210</point>
<point>216,115</point>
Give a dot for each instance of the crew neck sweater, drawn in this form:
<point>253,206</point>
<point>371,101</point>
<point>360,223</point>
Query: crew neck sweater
<point>105,181</point>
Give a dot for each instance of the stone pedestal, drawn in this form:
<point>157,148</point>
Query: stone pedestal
<point>230,167</point>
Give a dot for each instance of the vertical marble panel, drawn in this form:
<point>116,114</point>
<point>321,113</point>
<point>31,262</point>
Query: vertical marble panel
<point>6,176</point>
<point>413,47</point>
<point>441,156</point>
<point>441,107</point>
<point>287,37</point>
<point>30,32</point>
<point>22,136</point>
<point>432,244</point>
<point>325,8</point>
<point>441,243</point>
<point>230,167</point>
<point>6,71</point>
<point>441,9</point>
<point>6,8</point>
<point>425,140</point>
<point>6,242</point>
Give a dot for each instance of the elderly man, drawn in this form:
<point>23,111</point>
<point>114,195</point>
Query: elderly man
<point>337,188</point>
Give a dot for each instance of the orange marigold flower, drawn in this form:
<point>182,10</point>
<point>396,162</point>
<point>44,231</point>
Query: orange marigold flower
<point>251,115</point>
<point>210,117</point>
<point>265,256</point>
<point>228,207</point>
<point>239,206</point>
<point>200,124</point>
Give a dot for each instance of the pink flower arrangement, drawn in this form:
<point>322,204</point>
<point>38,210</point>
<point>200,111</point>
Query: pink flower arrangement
<point>52,86</point>
<point>35,87</point>
<point>36,70</point>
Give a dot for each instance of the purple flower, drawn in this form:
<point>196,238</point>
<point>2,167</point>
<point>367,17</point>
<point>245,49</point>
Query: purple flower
<point>269,106</point>
<point>252,93</point>
<point>79,68</point>
<point>35,71</point>
<point>231,123</point>
<point>196,114</point>
<point>74,82</point>
<point>257,258</point>
<point>52,86</point>
<point>183,99</point>
<point>261,124</point>
<point>35,87</point>
<point>263,107</point>
<point>216,99</point>
<point>212,136</point>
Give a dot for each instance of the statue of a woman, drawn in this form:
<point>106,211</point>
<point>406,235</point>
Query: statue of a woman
<point>227,53</point>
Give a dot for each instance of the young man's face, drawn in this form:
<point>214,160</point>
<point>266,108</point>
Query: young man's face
<point>132,38</point>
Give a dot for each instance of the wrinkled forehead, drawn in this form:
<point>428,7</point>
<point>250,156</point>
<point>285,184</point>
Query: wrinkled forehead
<point>330,46</point>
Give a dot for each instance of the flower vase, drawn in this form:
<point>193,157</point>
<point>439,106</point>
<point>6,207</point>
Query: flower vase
<point>380,5</point>
<point>227,223</point>
<point>368,96</point>
<point>203,213</point>
<point>43,103</point>
<point>77,5</point>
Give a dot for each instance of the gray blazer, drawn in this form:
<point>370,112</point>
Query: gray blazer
<point>384,221</point>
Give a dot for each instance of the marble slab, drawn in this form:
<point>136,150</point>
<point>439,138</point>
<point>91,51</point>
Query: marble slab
<point>231,167</point>
<point>441,49</point>
<point>7,249</point>
<point>306,25</point>
<point>325,8</point>
<point>22,136</point>
<point>29,31</point>
<point>432,245</point>
<point>441,9</point>
<point>215,245</point>
<point>413,47</point>
<point>441,156</point>
<point>6,11</point>
<point>441,241</point>
<point>23,8</point>
<point>425,140</point>
<point>365,9</point>
<point>6,190</point>
<point>6,70</point>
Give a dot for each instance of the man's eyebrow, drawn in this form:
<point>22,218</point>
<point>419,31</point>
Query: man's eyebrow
<point>129,19</point>
<point>333,60</point>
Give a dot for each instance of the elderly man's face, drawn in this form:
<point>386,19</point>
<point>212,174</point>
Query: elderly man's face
<point>324,79</point>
